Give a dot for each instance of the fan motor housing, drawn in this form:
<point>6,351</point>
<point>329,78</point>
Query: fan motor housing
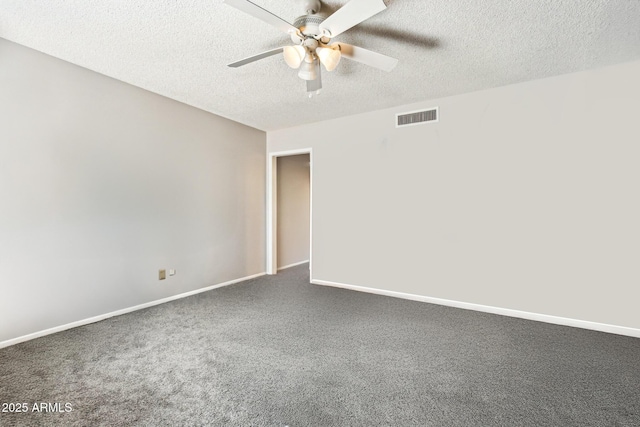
<point>309,25</point>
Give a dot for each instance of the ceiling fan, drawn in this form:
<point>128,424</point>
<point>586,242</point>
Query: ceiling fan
<point>311,35</point>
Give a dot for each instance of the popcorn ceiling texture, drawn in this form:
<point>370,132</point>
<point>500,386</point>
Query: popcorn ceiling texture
<point>180,48</point>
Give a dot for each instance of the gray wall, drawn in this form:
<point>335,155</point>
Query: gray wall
<point>293,209</point>
<point>102,184</point>
<point>523,197</point>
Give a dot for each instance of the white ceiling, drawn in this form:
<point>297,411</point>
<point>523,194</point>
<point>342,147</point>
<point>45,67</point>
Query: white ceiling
<point>180,48</point>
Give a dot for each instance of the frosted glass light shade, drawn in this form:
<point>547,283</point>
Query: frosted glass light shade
<point>329,57</point>
<point>307,71</point>
<point>293,55</point>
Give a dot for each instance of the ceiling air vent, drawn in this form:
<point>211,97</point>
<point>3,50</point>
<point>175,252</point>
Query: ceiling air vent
<point>417,117</point>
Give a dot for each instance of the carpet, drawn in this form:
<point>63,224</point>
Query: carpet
<point>277,351</point>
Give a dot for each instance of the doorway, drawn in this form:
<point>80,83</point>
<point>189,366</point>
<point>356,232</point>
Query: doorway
<point>289,225</point>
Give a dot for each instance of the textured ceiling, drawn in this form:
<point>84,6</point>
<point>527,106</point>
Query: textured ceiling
<point>180,48</point>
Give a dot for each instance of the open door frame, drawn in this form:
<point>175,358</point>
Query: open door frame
<point>272,207</point>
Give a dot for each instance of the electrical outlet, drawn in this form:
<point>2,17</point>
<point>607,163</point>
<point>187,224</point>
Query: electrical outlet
<point>172,272</point>
<point>162,274</point>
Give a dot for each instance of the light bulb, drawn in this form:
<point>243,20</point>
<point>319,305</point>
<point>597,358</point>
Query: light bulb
<point>329,57</point>
<point>293,55</point>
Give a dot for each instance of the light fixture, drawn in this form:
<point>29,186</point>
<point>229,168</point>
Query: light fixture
<point>308,69</point>
<point>293,55</point>
<point>329,57</point>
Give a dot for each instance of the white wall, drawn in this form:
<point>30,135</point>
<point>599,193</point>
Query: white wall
<point>523,197</point>
<point>102,184</point>
<point>293,209</point>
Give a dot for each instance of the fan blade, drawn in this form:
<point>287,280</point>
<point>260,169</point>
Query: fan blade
<point>316,84</point>
<point>257,57</point>
<point>256,11</point>
<point>367,57</point>
<point>351,14</point>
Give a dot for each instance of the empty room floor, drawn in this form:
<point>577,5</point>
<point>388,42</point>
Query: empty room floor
<point>277,351</point>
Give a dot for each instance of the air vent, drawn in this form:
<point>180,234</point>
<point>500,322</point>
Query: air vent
<point>417,117</point>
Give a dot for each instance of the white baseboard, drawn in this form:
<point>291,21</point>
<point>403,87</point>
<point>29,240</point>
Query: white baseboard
<point>61,328</point>
<point>292,265</point>
<point>564,321</point>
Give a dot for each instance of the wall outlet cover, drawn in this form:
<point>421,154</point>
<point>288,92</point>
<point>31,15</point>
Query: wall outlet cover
<point>162,274</point>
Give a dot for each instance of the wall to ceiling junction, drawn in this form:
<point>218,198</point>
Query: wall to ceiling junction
<point>523,197</point>
<point>103,184</point>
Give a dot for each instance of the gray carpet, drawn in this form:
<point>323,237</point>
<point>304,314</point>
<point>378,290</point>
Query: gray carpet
<point>276,351</point>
